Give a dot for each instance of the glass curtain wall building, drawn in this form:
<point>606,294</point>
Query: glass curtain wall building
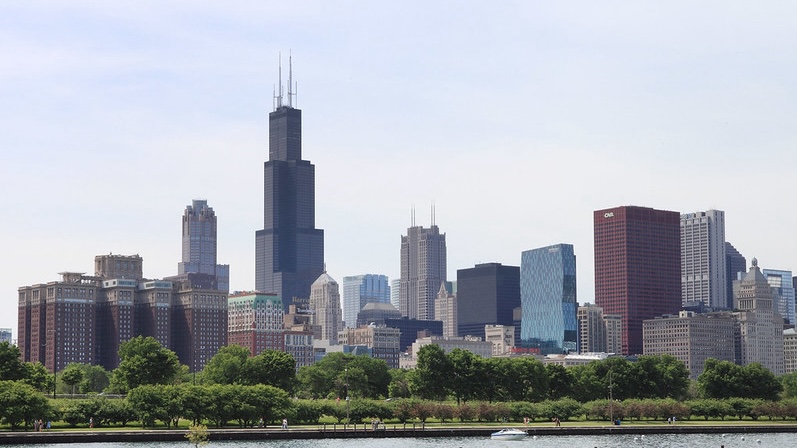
<point>361,289</point>
<point>782,286</point>
<point>548,297</point>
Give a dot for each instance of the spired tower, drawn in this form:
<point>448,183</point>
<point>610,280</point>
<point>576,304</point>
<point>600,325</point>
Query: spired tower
<point>289,251</point>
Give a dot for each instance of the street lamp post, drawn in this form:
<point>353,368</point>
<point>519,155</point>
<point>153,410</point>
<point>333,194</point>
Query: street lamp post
<point>611,399</point>
<point>347,395</point>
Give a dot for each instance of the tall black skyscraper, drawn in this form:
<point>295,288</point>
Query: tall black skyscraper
<point>289,251</point>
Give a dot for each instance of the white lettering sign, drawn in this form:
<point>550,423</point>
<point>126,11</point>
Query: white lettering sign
<point>608,215</point>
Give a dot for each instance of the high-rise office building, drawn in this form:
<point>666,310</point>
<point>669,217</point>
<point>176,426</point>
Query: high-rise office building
<point>5,335</point>
<point>703,270</point>
<point>637,267</point>
<point>591,329</point>
<point>199,244</point>
<point>395,293</point>
<point>361,289</point>
<point>736,266</point>
<point>789,350</point>
<point>760,326</point>
<point>289,250</point>
<point>548,297</point>
<point>445,309</point>
<point>486,295</point>
<point>325,307</point>
<point>782,285</point>
<point>423,268</point>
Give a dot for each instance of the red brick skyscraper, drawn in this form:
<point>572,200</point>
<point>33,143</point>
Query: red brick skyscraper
<point>637,267</point>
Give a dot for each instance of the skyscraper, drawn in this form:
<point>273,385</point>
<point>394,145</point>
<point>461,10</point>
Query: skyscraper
<point>325,307</point>
<point>486,295</point>
<point>782,291</point>
<point>703,270</point>
<point>289,251</point>
<point>736,266</point>
<point>548,297</point>
<point>760,326</point>
<point>361,289</point>
<point>637,267</point>
<point>423,268</point>
<point>199,244</point>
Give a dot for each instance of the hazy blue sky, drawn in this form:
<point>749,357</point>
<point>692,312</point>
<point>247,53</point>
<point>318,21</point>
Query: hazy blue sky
<point>518,119</point>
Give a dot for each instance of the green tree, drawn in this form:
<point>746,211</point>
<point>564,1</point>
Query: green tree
<point>21,404</point>
<point>150,404</point>
<point>560,381</point>
<point>662,376</point>
<point>462,382</point>
<point>95,379</point>
<point>272,368</point>
<point>719,379</point>
<point>432,373</point>
<point>37,376</point>
<point>399,386</point>
<point>375,377</point>
<point>227,366</point>
<point>71,376</point>
<point>723,379</point>
<point>524,379</point>
<point>11,366</point>
<point>197,435</point>
<point>314,381</point>
<point>789,384</point>
<point>144,361</point>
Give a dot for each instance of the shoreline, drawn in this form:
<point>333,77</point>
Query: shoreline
<point>365,431</point>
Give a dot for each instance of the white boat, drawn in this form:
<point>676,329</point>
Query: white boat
<point>509,434</point>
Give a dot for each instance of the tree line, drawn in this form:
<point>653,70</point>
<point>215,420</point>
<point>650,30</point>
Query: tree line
<point>158,387</point>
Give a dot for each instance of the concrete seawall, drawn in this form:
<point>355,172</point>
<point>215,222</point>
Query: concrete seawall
<point>365,431</point>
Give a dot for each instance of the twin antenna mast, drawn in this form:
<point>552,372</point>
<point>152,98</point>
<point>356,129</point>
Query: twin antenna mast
<point>292,88</point>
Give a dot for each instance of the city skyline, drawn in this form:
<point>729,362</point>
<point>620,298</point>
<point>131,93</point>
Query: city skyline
<point>102,103</point>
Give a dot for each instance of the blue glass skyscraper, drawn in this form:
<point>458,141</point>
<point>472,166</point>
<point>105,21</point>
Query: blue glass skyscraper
<point>359,290</point>
<point>548,299</point>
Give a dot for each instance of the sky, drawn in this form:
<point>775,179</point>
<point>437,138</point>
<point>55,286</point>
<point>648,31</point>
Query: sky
<point>516,119</point>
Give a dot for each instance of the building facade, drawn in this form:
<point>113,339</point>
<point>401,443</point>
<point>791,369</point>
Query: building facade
<point>255,321</point>
<point>5,335</point>
<point>736,266</point>
<point>56,321</point>
<point>691,338</point>
<point>782,285</point>
<point>289,250</point>
<point>703,270</point>
<point>591,329</point>
<point>375,313</point>
<point>383,342</point>
<point>637,267</point>
<point>412,329</point>
<point>423,268</point>
<point>472,344</point>
<point>760,325</point>
<point>325,308</point>
<point>200,246</point>
<point>502,337</point>
<point>445,308</point>
<point>486,295</point>
<point>789,350</point>
<point>361,289</point>
<point>548,296</point>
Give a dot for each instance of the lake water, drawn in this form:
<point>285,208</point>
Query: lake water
<point>608,441</point>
